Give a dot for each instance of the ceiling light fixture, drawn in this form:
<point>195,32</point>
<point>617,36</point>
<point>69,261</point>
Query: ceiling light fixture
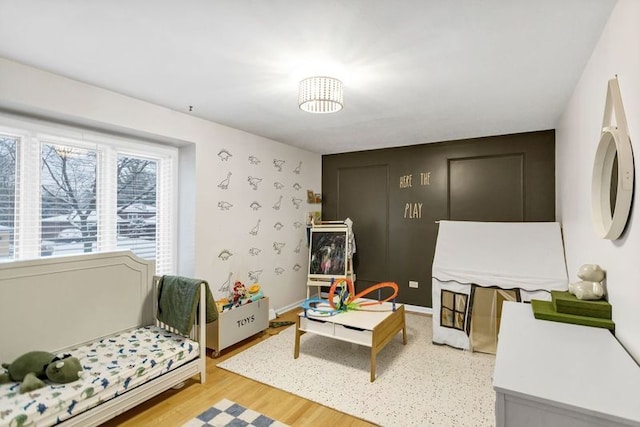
<point>66,152</point>
<point>320,94</point>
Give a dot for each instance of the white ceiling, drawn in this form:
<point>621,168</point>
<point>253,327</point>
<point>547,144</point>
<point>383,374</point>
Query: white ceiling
<point>414,71</point>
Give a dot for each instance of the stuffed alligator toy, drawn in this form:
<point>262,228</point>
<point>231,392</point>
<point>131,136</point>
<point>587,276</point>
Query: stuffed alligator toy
<point>33,367</point>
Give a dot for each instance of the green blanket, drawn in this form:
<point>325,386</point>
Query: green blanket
<point>178,302</point>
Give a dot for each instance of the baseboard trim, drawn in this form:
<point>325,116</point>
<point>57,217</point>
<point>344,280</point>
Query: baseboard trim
<point>289,307</point>
<point>418,309</point>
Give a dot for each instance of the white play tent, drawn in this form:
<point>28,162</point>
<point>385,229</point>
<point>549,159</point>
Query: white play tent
<point>477,265</point>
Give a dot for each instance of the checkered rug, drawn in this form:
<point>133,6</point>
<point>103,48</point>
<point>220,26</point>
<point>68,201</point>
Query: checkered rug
<point>229,414</point>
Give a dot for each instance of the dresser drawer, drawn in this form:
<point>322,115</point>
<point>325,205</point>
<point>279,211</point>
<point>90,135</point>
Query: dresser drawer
<point>355,335</point>
<point>317,326</point>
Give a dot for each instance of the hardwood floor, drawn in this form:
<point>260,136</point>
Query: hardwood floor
<point>176,407</point>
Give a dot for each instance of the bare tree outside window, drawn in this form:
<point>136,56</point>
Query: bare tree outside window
<point>68,205</point>
<point>69,216</point>
<point>137,182</point>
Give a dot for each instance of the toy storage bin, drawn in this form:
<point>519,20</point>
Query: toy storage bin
<point>237,324</point>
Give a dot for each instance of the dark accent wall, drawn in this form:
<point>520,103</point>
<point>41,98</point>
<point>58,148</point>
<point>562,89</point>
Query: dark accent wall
<point>395,196</point>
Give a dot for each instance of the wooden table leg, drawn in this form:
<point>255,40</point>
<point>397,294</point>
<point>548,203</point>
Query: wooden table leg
<point>296,349</point>
<point>404,330</point>
<point>373,364</point>
<point>384,332</point>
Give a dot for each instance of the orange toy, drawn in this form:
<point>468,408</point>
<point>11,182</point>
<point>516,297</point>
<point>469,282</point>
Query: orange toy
<point>349,302</point>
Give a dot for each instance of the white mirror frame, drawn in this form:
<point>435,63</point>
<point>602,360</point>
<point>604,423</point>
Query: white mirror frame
<point>614,140</point>
<point>609,226</point>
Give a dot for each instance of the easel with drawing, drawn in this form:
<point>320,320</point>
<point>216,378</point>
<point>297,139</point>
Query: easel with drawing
<point>330,254</point>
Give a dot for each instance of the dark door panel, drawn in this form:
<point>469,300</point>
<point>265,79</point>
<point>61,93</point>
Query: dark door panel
<point>362,195</point>
<point>489,188</point>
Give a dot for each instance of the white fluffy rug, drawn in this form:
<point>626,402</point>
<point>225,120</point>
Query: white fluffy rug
<point>417,385</point>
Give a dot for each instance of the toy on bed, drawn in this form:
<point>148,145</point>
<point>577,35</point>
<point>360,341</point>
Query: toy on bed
<point>33,367</point>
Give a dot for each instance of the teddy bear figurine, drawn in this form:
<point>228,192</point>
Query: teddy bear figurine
<point>590,287</point>
<point>30,369</point>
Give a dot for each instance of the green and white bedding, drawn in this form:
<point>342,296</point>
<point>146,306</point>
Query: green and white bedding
<point>112,365</point>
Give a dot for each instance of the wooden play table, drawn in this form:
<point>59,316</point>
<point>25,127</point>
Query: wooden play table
<point>373,328</point>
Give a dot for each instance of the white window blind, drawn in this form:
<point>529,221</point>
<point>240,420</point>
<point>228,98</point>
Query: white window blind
<point>8,156</point>
<point>136,205</point>
<point>65,192</point>
<point>166,225</point>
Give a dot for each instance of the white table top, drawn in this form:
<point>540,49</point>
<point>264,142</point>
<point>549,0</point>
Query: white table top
<point>569,366</point>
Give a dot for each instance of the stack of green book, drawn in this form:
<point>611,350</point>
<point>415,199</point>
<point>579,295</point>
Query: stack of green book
<point>565,307</point>
<point>564,302</point>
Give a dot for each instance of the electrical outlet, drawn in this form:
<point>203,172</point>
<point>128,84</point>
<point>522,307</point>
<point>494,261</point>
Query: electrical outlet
<point>413,284</point>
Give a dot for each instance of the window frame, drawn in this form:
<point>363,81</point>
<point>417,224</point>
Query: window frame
<point>32,134</point>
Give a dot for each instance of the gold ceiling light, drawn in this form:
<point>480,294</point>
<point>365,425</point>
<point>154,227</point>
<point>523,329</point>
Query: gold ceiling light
<point>320,94</point>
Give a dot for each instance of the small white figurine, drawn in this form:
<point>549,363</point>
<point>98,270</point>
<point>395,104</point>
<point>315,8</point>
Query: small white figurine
<point>590,288</point>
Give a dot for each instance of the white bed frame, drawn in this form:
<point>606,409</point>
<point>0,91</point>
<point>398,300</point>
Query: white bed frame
<point>53,304</point>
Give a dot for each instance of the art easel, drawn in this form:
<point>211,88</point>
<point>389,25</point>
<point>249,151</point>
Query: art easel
<point>329,226</point>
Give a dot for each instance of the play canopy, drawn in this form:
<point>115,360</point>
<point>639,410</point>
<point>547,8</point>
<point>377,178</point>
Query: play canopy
<point>517,260</point>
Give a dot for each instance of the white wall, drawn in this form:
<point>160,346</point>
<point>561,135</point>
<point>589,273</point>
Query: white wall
<point>206,229</point>
<point>578,133</point>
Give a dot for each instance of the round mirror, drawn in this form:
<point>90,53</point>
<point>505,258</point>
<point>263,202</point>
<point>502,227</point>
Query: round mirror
<point>612,183</point>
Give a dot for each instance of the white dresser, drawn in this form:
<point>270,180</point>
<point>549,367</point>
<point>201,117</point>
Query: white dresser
<point>551,374</point>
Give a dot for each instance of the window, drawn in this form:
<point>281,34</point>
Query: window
<point>8,146</point>
<point>453,310</point>
<point>65,192</point>
<point>68,219</point>
<point>136,209</point>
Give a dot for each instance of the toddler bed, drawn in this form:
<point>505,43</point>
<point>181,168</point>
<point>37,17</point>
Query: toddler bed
<point>100,308</point>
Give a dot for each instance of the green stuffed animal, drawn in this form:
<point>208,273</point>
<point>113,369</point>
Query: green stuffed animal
<point>33,367</point>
